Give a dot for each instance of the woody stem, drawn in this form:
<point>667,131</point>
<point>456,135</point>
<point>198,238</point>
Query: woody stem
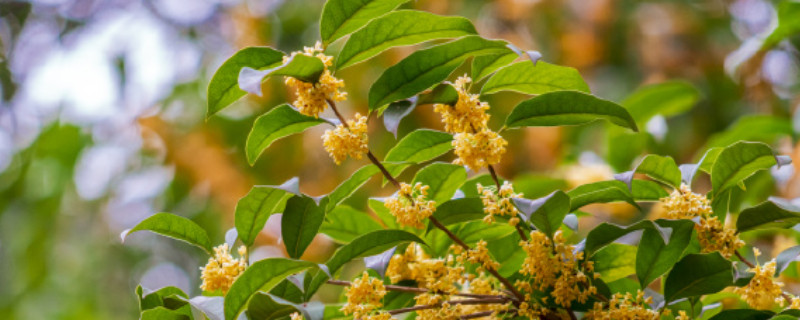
<point>521,232</point>
<point>420,290</point>
<point>451,302</point>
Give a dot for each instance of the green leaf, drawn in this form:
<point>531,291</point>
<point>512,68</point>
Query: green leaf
<point>743,314</point>
<point>425,68</point>
<point>400,28</point>
<point>223,90</point>
<point>395,112</point>
<point>273,125</point>
<point>666,99</point>
<point>169,297</point>
<point>505,251</point>
<point>615,261</point>
<point>773,214</point>
<point>418,146</point>
<point>525,77</point>
<point>300,223</point>
<point>784,258</point>
<point>698,274</point>
<point>262,306</point>
<point>606,233</point>
<point>253,210</point>
<point>459,210</point>
<point>660,168</point>
<point>443,180</point>
<point>300,66</point>
<point>173,226</point>
<point>738,162</point>
<point>484,66</point>
<point>655,258</point>
<point>443,93</point>
<point>342,17</point>
<point>351,185</point>
<point>546,213</point>
<point>344,224</point>
<point>613,191</point>
<point>567,108</point>
<point>161,313</point>
<point>788,24</point>
<point>760,128</point>
<point>260,276</point>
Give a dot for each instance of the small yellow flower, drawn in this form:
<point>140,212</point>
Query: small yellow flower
<point>410,206</point>
<point>499,203</point>
<point>477,255</point>
<point>714,236</point>
<point>479,150</point>
<point>347,140</point>
<point>795,304</point>
<point>469,113</point>
<point>763,291</point>
<point>364,296</point>
<point>222,269</point>
<point>626,307</point>
<point>684,204</point>
<point>312,97</point>
<point>296,316</point>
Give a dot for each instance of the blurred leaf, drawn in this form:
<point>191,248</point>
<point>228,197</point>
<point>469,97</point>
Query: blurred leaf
<point>784,258</point>
<point>667,99</point>
<point>418,146</point>
<point>299,66</point>
<point>546,213</point>
<point>743,314</point>
<point>698,274</point>
<point>768,215</point>
<point>173,226</point>
<point>655,258</point>
<point>660,168</point>
<point>253,210</point>
<point>738,162</point>
<point>344,224</point>
<point>615,261</point>
<point>260,276</point>
<point>526,78</point>
<point>788,24</point>
<point>761,128</point>
<point>606,233</point>
<point>443,180</point>
<point>484,66</point>
<point>567,108</point>
<point>279,122</point>
<point>425,68</point>
<point>224,86</point>
<point>342,17</point>
<point>300,223</point>
<point>400,28</point>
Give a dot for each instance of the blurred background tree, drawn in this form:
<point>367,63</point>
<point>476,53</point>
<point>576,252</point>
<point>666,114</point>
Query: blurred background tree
<point>102,122</point>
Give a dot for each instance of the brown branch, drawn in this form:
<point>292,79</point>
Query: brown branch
<point>571,314</point>
<point>451,302</point>
<point>521,232</point>
<point>422,290</point>
<point>742,259</point>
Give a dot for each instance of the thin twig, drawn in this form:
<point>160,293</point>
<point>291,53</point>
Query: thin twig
<point>451,302</point>
<point>742,259</point>
<point>421,290</point>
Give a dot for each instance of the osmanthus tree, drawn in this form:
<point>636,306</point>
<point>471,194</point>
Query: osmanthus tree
<point>450,246</point>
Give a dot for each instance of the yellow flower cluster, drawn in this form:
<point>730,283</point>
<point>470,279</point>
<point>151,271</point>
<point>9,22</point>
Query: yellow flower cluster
<point>351,140</point>
<point>500,203</point>
<point>763,291</point>
<point>364,298</point>
<point>711,232</point>
<point>554,265</point>
<point>296,316</point>
<point>468,114</point>
<point>479,150</point>
<point>622,307</point>
<point>684,204</point>
<point>714,236</point>
<point>410,206</point>
<point>222,269</point>
<point>438,275</point>
<point>478,255</point>
<point>312,97</point>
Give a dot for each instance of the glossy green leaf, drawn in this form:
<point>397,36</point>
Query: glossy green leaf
<point>418,146</point>
<point>395,112</point>
<point>223,90</point>
<point>615,261</point>
<point>260,276</point>
<point>344,224</point>
<point>738,162</point>
<point>299,66</point>
<point>169,297</point>
<point>660,168</point>
<point>351,185</point>
<point>785,258</point>
<point>342,17</point>
<point>279,122</point>
<point>300,223</point>
<point>505,251</point>
<point>161,313</point>
<point>400,28</point>
<point>613,191</point>
<point>425,68</point>
<point>173,226</point>
<point>546,213</point>
<point>484,66</point>
<point>443,93</point>
<point>743,314</point>
<point>525,77</point>
<point>253,210</point>
<point>698,274</point>
<point>606,233</point>
<point>788,24</point>
<point>772,214</point>
<point>459,210</point>
<point>567,108</point>
<point>655,258</point>
<point>666,99</point>
<point>443,180</point>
